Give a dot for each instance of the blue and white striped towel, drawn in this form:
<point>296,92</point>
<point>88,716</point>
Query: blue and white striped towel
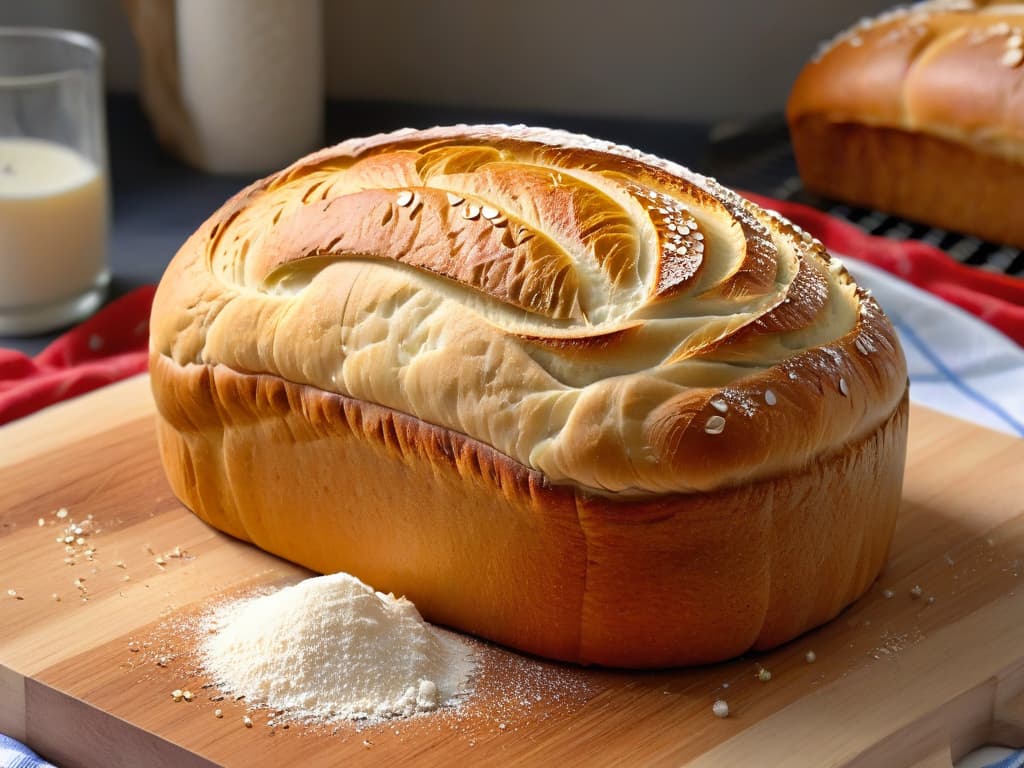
<point>958,364</point>
<point>1016,760</point>
<point>992,757</point>
<point>14,754</point>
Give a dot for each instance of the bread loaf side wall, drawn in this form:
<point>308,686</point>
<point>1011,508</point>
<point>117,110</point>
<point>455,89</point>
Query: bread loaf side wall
<point>914,175</point>
<point>484,545</point>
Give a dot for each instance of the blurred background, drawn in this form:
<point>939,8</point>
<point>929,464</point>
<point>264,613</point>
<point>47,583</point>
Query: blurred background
<point>649,59</point>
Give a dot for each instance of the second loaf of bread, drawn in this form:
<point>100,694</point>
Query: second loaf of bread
<point>561,394</point>
<point>918,113</point>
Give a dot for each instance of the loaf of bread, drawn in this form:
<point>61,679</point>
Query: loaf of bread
<point>561,394</point>
<point>920,113</point>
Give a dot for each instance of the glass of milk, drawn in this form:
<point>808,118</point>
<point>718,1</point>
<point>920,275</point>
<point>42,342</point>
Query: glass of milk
<point>54,198</point>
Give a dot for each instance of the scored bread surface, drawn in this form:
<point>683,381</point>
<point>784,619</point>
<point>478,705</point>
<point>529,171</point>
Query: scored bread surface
<point>615,322</point>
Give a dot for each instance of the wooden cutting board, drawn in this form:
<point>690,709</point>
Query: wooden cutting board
<point>898,679</point>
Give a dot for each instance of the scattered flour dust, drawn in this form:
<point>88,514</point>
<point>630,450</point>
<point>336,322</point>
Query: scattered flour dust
<point>331,648</point>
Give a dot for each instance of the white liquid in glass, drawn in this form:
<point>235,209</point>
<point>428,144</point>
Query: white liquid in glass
<point>53,223</point>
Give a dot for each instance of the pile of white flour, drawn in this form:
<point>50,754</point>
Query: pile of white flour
<point>331,648</point>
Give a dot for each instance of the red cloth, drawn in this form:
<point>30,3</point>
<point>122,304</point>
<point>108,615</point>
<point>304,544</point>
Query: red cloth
<point>108,347</point>
<point>112,345</point>
<point>995,298</point>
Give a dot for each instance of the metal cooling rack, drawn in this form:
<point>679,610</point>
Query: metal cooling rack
<point>758,157</point>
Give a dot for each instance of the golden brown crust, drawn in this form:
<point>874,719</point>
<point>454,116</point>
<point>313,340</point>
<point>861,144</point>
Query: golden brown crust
<point>920,112</point>
<point>483,544</point>
<point>619,301</point>
<point>500,257</point>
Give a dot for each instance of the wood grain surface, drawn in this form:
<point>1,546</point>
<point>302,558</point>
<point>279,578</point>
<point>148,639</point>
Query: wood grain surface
<point>898,679</point>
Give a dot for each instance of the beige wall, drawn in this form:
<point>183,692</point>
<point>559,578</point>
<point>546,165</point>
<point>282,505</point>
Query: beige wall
<point>653,58</point>
<point>649,58</point>
<point>101,18</point>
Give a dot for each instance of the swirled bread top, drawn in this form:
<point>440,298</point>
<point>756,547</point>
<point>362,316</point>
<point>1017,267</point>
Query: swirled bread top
<point>608,318</point>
